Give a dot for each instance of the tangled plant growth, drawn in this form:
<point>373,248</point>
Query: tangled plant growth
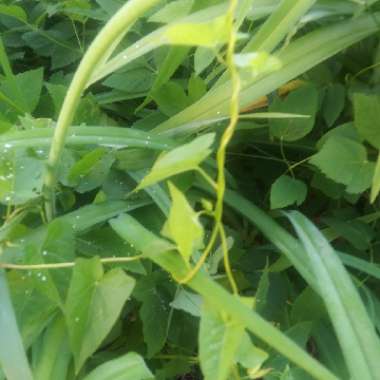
<point>138,140</point>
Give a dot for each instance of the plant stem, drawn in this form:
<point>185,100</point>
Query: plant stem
<point>118,24</point>
<point>107,260</point>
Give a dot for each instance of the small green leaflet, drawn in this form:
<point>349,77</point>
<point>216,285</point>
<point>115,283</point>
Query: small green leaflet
<point>367,117</point>
<point>127,367</point>
<point>286,191</point>
<point>206,34</point>
<point>248,355</point>
<point>184,158</point>
<point>183,225</point>
<point>345,161</point>
<point>303,101</point>
<point>93,305</point>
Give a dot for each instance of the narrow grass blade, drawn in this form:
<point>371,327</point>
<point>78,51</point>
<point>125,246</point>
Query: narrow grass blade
<point>113,137</point>
<point>301,55</point>
<point>355,332</point>
<point>13,360</point>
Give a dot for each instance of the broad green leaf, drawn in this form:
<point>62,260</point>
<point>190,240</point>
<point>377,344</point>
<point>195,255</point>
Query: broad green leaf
<point>53,358</point>
<point>286,191</point>
<point>170,98</point>
<point>91,170</point>
<point>345,161</point>
<point>203,57</point>
<point>127,367</point>
<point>375,189</point>
<point>219,338</point>
<point>367,116</point>
<point>184,158</point>
<point>94,302</point>
<point>183,225</point>
<point>13,359</point>
<point>206,34</point>
<point>196,88</point>
<point>347,312</point>
<point>154,314</point>
<point>24,89</point>
<point>172,11</point>
<point>250,356</point>
<point>20,175</point>
<point>188,302</point>
<point>14,11</point>
<point>333,103</point>
<point>302,101</point>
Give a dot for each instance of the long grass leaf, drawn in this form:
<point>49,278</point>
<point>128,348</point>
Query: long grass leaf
<point>355,332</point>
<point>13,360</point>
<point>300,56</point>
<point>103,136</point>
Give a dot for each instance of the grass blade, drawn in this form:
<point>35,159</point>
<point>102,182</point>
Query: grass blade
<point>103,136</point>
<point>301,55</point>
<point>12,355</point>
<point>355,332</point>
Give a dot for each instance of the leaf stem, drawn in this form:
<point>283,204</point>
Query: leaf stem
<point>118,24</point>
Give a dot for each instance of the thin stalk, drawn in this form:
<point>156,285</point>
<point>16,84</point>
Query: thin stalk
<point>107,260</point>
<point>221,154</point>
<point>118,24</point>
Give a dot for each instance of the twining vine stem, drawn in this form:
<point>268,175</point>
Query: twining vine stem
<point>218,228</point>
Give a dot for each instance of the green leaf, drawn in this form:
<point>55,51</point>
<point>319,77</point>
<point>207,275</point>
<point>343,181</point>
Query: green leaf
<point>127,367</point>
<point>302,101</point>
<point>375,189</point>
<point>172,11</point>
<point>24,89</point>
<point>286,191</point>
<point>219,340</point>
<point>93,305</point>
<point>345,161</point>
<point>139,237</point>
<point>183,225</point>
<point>91,170</point>
<point>333,103</point>
<point>347,312</point>
<point>248,355</point>
<point>54,356</point>
<point>14,11</point>
<point>13,359</point>
<point>367,116</point>
<point>170,98</point>
<point>188,302</point>
<point>155,317</point>
<point>206,34</point>
<point>184,158</point>
<point>20,175</point>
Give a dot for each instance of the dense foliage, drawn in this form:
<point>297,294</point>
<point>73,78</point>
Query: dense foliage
<point>152,156</point>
